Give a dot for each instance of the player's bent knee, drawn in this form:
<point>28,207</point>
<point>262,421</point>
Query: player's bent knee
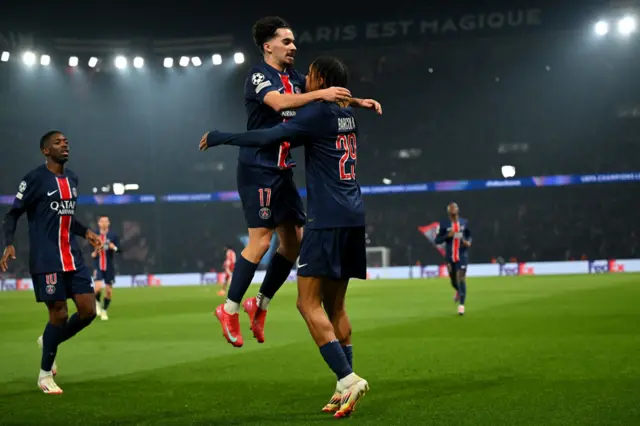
<point>88,314</point>
<point>58,312</point>
<point>259,244</point>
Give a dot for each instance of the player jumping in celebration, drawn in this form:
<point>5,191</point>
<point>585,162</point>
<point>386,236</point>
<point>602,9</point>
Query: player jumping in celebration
<point>49,195</point>
<point>270,199</point>
<point>455,233</point>
<point>333,246</point>
<point>228,266</point>
<point>105,269</point>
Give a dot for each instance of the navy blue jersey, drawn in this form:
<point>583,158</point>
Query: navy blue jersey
<point>329,134</point>
<point>455,251</point>
<point>104,261</point>
<point>50,203</point>
<point>262,79</point>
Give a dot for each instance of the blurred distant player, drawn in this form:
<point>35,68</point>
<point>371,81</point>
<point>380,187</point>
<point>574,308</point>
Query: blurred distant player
<point>228,266</point>
<point>455,233</point>
<point>48,194</point>
<point>270,199</point>
<point>105,268</point>
<point>333,247</point>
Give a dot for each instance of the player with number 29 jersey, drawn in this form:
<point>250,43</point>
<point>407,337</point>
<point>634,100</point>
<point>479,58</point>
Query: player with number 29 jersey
<point>333,248</point>
<point>329,134</point>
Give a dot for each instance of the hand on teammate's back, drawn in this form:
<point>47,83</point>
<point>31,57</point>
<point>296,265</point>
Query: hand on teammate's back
<point>335,94</point>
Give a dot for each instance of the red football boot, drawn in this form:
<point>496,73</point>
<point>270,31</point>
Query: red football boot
<point>257,317</point>
<point>230,326</point>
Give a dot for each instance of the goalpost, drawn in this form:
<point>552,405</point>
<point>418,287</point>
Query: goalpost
<point>379,257</point>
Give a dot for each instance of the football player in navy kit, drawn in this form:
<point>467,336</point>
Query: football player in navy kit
<point>48,194</point>
<point>105,268</point>
<point>333,247</point>
<point>270,199</point>
<point>456,235</point>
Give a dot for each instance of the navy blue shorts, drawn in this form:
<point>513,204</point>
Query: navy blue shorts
<point>269,198</point>
<point>335,253</point>
<point>458,266</point>
<point>109,277</point>
<point>58,286</point>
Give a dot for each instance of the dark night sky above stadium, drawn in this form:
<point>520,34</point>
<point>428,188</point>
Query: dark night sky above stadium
<point>168,18</point>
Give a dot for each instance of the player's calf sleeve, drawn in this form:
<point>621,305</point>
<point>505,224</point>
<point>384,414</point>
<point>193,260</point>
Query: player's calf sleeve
<point>335,358</point>
<point>463,291</point>
<point>53,335</point>
<point>277,273</point>
<point>107,302</point>
<point>348,352</point>
<point>75,324</point>
<point>241,279</point>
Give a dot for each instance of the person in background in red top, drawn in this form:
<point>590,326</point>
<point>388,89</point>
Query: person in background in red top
<point>228,265</point>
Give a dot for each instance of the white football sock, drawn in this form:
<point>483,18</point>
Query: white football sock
<point>231,307</point>
<point>346,382</point>
<point>263,301</point>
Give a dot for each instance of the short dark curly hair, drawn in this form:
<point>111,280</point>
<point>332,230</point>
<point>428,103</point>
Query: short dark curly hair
<point>265,29</point>
<point>46,138</point>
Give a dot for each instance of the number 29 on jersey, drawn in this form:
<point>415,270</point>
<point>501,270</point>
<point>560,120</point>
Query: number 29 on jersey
<point>347,143</point>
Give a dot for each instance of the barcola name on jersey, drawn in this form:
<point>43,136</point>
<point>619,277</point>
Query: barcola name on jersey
<point>64,207</point>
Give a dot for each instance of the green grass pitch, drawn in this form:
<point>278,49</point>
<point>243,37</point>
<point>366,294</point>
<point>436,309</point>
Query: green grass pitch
<point>530,351</point>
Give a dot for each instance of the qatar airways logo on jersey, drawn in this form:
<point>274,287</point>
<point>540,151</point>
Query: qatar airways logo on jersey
<point>64,207</point>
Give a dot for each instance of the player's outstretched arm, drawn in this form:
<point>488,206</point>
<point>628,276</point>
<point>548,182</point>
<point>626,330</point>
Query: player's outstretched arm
<point>366,104</point>
<point>260,137</point>
<point>284,101</point>
<point>297,130</point>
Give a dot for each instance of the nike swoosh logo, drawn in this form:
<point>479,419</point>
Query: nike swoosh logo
<point>49,194</point>
<point>301,266</point>
<point>233,339</point>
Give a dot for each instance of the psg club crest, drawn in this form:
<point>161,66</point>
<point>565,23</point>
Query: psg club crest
<point>51,280</point>
<point>298,90</point>
<point>257,78</point>
<point>265,213</point>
